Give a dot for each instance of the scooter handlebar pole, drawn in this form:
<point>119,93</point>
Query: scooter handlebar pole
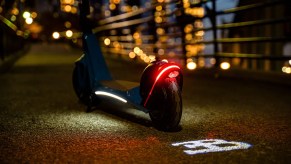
<point>84,11</point>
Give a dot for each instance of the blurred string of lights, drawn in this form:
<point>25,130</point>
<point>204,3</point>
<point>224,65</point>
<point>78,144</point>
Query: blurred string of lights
<point>69,6</point>
<point>136,45</point>
<point>168,44</point>
<point>167,41</point>
<point>287,67</point>
<point>132,42</point>
<point>192,36</point>
<point>16,18</point>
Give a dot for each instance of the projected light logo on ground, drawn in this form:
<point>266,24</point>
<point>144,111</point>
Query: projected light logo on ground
<point>211,145</point>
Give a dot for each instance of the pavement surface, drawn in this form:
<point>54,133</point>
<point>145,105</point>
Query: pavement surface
<point>225,119</point>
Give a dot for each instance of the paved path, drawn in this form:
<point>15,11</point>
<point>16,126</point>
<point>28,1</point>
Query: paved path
<point>42,121</point>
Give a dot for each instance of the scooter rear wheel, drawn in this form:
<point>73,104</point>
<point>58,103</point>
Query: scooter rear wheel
<point>165,106</point>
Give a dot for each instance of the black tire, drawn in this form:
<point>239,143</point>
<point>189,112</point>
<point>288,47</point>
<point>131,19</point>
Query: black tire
<point>165,106</point>
<point>81,83</point>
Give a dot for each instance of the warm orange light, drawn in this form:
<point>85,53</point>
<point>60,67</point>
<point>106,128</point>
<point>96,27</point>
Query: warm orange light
<point>74,10</point>
<point>129,37</point>
<point>146,59</point>
<point>195,11</point>
<point>116,44</point>
<point>201,62</point>
<point>112,6</point>
<point>159,8</point>
<point>136,50</point>
<point>26,14</point>
<point>132,55</point>
<point>116,1</point>
<point>188,37</point>
<point>68,1</point>
<point>67,8</point>
<point>107,41</point>
<point>33,15</point>
<point>126,8</point>
<point>69,33</point>
<point>191,65</point>
<point>160,31</point>
<point>286,70</point>
<point>140,53</point>
<point>158,19</point>
<point>224,65</point>
<point>186,5</point>
<point>28,20</point>
<point>68,24</point>
<point>188,28</point>
<point>15,11</point>
<point>138,41</point>
<point>212,61</point>
<point>198,24</point>
<point>152,58</point>
<point>136,35</point>
<point>199,33</point>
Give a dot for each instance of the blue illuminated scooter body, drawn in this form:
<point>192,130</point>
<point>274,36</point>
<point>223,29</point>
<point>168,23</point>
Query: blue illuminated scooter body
<point>158,93</point>
<point>100,79</point>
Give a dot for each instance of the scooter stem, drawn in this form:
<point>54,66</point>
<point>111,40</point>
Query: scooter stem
<point>97,66</point>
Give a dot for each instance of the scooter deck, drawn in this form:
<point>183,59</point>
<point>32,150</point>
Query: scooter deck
<point>120,85</point>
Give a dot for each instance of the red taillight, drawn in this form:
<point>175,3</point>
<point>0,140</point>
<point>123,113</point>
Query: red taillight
<point>164,70</point>
<point>173,74</point>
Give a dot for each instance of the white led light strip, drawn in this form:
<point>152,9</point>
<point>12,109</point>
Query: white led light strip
<point>110,95</point>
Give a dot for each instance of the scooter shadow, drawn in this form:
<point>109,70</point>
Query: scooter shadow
<point>126,112</point>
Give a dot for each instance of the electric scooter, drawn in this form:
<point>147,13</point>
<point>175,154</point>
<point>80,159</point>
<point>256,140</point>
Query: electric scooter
<point>158,93</point>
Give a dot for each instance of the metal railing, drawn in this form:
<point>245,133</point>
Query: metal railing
<point>12,39</point>
<point>195,31</point>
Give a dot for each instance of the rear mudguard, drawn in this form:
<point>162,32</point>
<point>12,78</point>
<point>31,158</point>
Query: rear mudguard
<point>155,74</point>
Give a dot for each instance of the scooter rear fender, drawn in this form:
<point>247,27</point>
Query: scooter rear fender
<point>156,73</point>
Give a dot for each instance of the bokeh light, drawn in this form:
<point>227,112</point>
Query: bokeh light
<point>132,55</point>
<point>224,65</point>
<point>107,41</point>
<point>69,33</point>
<point>28,20</point>
<point>191,65</point>
<point>26,14</point>
<point>56,35</point>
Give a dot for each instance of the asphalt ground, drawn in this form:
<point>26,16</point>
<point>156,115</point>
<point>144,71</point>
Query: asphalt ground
<point>41,120</point>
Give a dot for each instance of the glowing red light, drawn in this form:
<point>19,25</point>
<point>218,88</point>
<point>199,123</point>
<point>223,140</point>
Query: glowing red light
<point>164,70</point>
<point>173,74</point>
<point>158,77</point>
